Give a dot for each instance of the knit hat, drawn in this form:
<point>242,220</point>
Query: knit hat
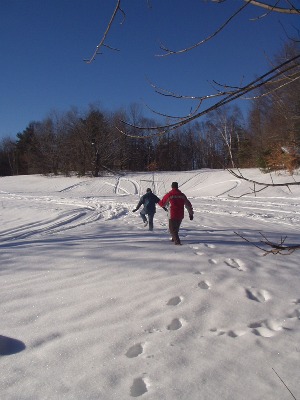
<point>174,185</point>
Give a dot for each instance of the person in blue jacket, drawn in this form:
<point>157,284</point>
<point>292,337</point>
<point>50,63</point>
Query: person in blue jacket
<point>149,200</point>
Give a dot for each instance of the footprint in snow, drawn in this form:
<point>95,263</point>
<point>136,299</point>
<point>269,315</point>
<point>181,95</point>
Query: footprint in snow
<point>197,248</point>
<point>259,295</point>
<point>174,301</point>
<point>294,314</point>
<point>135,350</point>
<point>235,263</point>
<point>233,333</point>
<point>236,333</point>
<point>204,285</point>
<point>174,325</point>
<point>218,332</point>
<point>267,328</point>
<point>138,388</point>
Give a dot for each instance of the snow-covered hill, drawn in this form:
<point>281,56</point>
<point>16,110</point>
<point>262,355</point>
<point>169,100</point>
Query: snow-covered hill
<point>94,306</point>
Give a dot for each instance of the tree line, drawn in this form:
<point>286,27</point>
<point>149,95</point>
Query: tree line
<point>95,142</point>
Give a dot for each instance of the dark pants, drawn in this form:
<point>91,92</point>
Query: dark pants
<point>174,225</point>
<point>150,218</point>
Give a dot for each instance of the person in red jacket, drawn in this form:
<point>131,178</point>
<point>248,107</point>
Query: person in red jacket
<point>175,201</point>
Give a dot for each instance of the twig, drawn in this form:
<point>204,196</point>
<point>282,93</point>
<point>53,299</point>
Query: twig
<point>264,185</point>
<point>258,82</point>
<point>284,384</point>
<point>101,43</point>
<point>276,248</point>
<point>169,51</point>
<point>292,10</point>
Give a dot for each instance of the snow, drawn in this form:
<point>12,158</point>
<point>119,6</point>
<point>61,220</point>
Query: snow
<point>95,306</point>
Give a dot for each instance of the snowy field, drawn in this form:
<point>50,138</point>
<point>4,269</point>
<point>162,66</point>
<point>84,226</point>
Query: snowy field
<point>96,307</point>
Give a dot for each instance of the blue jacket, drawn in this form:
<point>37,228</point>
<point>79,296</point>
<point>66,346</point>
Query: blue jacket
<point>149,200</point>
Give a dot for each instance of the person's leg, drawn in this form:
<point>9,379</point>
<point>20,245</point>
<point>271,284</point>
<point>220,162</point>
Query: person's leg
<point>143,216</point>
<point>174,225</point>
<point>150,218</point>
<point>171,229</point>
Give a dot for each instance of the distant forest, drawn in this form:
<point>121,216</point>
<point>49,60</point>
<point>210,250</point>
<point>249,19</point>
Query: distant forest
<point>97,142</point>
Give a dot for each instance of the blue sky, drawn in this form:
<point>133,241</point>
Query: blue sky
<point>44,43</point>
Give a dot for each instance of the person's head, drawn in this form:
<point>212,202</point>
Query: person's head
<point>148,190</point>
<point>174,185</point>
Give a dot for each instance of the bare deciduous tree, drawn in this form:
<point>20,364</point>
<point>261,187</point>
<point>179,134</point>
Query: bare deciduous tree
<point>287,71</point>
<point>226,125</point>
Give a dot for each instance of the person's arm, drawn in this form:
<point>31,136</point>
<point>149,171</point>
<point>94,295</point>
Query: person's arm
<point>163,202</point>
<point>189,208</point>
<point>139,204</point>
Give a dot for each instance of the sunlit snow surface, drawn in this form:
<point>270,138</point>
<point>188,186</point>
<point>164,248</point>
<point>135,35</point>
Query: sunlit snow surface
<point>94,306</point>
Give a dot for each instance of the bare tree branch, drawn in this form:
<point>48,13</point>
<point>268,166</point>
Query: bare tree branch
<point>288,80</point>
<point>270,8</point>
<point>192,112</point>
<point>169,52</point>
<point>265,14</point>
<point>239,175</point>
<point>292,10</point>
<point>264,185</point>
<point>287,35</point>
<point>102,41</point>
<point>225,96</point>
<point>268,77</point>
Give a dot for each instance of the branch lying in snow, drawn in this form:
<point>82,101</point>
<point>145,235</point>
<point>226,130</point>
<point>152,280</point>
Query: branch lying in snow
<point>264,185</point>
<point>276,248</point>
<point>284,384</point>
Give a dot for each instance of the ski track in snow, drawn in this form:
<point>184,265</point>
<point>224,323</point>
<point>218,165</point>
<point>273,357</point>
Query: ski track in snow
<point>284,213</point>
<point>87,210</point>
<point>75,212</point>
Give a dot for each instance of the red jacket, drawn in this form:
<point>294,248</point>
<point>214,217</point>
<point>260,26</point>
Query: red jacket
<point>175,200</point>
